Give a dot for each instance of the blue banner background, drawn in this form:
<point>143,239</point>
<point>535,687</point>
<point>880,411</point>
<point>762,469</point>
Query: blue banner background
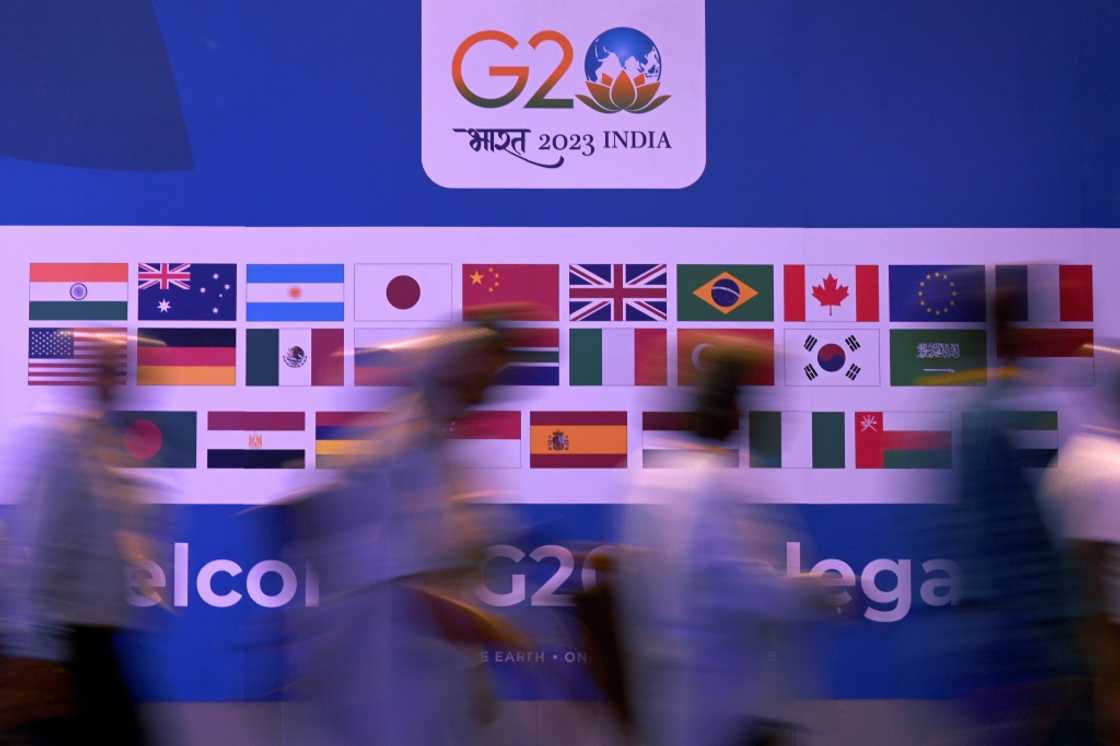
<point>202,653</point>
<point>925,113</point>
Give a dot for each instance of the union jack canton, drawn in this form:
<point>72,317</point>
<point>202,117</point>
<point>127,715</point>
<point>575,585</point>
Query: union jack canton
<point>617,292</point>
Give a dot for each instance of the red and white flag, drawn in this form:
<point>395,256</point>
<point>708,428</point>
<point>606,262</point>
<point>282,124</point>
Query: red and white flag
<point>832,292</point>
<point>1056,357</point>
<point>1046,292</point>
<point>487,439</point>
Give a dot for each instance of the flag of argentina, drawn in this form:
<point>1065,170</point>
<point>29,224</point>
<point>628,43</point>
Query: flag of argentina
<point>295,292</point>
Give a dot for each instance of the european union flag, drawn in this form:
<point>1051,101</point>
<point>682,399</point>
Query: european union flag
<point>937,292</point>
<point>172,291</point>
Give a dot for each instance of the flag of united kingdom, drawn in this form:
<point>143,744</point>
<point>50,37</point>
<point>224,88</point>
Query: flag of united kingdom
<point>617,292</point>
<point>165,275</point>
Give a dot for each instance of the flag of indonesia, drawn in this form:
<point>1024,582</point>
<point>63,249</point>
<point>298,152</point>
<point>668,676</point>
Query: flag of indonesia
<point>487,439</point>
<point>832,292</point>
<point>1057,356</point>
<point>1047,292</point>
<point>667,442</point>
<point>903,440</point>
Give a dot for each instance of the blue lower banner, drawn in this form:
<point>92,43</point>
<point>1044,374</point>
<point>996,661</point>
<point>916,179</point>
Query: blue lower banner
<point>221,636</point>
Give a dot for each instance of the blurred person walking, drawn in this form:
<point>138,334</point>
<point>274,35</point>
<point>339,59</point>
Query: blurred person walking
<point>396,550</point>
<point>703,608</point>
<point>74,533</point>
<point>1023,678</point>
<point>1082,488</point>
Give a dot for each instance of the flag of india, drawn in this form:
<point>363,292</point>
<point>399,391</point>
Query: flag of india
<point>75,290</point>
<point>796,440</point>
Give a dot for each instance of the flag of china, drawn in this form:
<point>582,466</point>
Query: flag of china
<point>517,292</point>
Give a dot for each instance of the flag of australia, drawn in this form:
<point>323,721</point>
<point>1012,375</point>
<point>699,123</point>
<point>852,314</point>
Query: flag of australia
<point>174,291</point>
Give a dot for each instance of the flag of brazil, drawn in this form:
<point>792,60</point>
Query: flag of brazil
<point>725,292</point>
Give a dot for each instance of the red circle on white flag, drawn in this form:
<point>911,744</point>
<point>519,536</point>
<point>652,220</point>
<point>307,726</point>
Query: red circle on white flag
<point>402,292</point>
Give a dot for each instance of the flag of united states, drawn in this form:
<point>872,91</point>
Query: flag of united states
<point>70,357</point>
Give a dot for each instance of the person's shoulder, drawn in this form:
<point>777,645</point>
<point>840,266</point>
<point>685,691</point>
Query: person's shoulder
<point>1090,450</point>
<point>1087,467</point>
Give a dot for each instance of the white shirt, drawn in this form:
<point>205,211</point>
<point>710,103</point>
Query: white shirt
<point>1083,489</point>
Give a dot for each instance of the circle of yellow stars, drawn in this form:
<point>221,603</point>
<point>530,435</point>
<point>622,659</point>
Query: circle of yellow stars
<point>493,277</point>
<point>930,277</point>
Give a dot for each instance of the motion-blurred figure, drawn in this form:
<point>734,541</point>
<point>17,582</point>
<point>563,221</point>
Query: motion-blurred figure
<point>396,553</point>
<point>1021,682</point>
<point>74,535</point>
<point>702,601</point>
<point>1083,490</point>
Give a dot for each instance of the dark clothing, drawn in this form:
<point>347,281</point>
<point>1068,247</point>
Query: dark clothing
<point>598,609</point>
<point>104,711</point>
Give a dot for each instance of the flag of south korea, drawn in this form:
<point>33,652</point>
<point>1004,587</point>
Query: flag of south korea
<point>832,357</point>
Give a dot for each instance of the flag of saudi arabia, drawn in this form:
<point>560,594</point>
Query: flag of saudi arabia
<point>1033,435</point>
<point>938,357</point>
<point>796,440</point>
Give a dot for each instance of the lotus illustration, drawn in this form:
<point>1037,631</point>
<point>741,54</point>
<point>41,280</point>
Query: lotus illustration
<point>623,93</point>
<point>623,72</point>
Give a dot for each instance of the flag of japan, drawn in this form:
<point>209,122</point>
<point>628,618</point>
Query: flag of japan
<point>392,292</point>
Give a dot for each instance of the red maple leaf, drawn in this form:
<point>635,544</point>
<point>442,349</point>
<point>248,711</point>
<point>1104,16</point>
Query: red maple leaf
<point>830,292</point>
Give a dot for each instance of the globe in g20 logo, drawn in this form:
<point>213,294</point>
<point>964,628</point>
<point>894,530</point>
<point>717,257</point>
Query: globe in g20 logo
<point>622,66</point>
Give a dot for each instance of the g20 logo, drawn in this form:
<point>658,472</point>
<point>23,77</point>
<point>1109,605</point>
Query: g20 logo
<point>622,67</point>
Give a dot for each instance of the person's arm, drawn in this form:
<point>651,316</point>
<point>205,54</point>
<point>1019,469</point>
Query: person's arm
<point>1099,632</point>
<point>34,566</point>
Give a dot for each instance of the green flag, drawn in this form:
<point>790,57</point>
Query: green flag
<point>1033,434</point>
<point>164,440</point>
<point>938,357</point>
<point>805,440</point>
<point>725,292</point>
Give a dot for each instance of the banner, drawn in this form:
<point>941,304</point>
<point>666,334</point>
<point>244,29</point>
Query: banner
<point>232,594</point>
<point>253,364</point>
<point>578,95</point>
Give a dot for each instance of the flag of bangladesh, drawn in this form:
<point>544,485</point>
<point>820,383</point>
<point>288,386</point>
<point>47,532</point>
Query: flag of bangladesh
<point>939,357</point>
<point>725,292</point>
<point>796,440</point>
<point>164,440</point>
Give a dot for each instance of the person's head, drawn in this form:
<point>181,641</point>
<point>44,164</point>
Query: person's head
<point>481,356</point>
<point>1005,310</point>
<point>716,413</point>
<point>1107,364</point>
<point>107,357</point>
<point>461,365</point>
